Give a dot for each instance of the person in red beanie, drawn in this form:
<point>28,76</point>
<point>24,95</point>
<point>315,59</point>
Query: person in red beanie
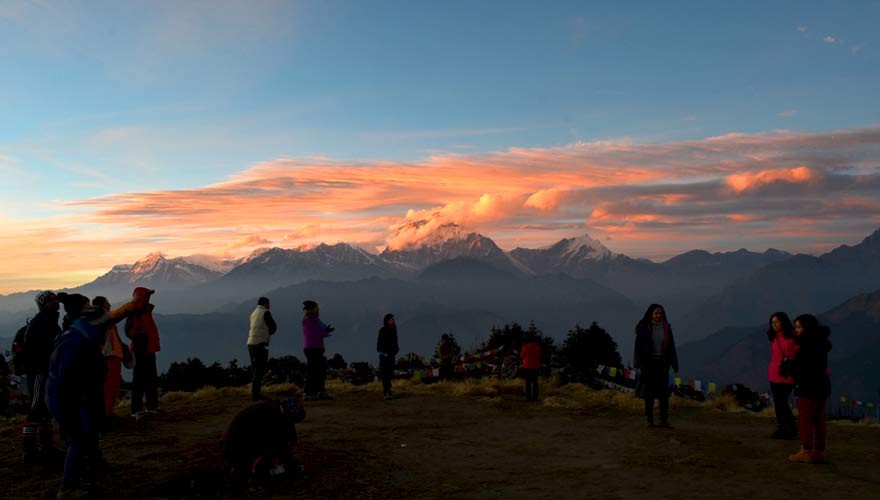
<point>144,334</point>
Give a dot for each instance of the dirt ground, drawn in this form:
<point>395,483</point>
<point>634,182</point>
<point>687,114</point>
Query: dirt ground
<point>445,442</point>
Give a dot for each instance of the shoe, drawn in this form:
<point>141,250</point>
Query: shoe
<point>389,396</point>
<point>309,397</point>
<point>802,456</point>
<point>137,415</point>
<point>325,397</point>
<point>779,433</point>
<point>665,425</point>
<point>649,424</point>
<point>817,457</point>
<point>154,411</point>
<point>71,494</point>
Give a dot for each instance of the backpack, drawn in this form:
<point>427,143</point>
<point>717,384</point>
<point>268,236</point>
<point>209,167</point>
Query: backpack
<point>17,358</point>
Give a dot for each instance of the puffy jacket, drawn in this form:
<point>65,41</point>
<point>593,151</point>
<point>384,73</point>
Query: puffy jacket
<point>314,331</point>
<point>141,327</point>
<point>39,340</point>
<point>781,348</point>
<point>75,387</point>
<point>811,377</point>
<point>262,326</point>
<point>531,355</point>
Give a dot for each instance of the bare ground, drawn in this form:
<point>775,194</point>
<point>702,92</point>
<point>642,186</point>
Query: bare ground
<point>471,442</point>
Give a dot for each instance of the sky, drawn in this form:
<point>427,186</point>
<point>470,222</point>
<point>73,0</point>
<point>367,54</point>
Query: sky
<point>220,127</point>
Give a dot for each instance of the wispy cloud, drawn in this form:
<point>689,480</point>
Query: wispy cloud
<point>803,29</point>
<point>652,199</point>
<point>830,39</point>
<point>787,113</point>
<point>855,49</point>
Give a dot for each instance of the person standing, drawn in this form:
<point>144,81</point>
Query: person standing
<point>314,332</point>
<point>144,334</point>
<point>387,347</point>
<point>447,353</point>
<point>39,338</point>
<point>530,354</point>
<point>654,355</point>
<point>114,352</point>
<point>812,386</point>
<point>262,327</point>
<point>783,349</point>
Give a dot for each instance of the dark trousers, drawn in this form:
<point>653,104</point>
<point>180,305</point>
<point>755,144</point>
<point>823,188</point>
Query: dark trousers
<point>531,377</point>
<point>446,371</point>
<point>784,416</point>
<point>316,371</point>
<point>386,372</point>
<point>144,382</point>
<point>811,413</point>
<point>664,408</point>
<point>82,453</point>
<point>38,424</point>
<point>259,364</point>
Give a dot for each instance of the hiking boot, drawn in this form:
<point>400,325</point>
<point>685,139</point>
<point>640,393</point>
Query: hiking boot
<point>137,415</point>
<point>802,456</point>
<point>71,494</point>
<point>154,411</point>
<point>309,397</point>
<point>388,396</point>
<point>817,457</point>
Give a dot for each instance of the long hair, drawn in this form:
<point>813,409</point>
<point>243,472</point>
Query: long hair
<point>787,326</point>
<point>812,326</point>
<point>648,316</point>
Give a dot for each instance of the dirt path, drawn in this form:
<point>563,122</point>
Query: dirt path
<point>439,446</point>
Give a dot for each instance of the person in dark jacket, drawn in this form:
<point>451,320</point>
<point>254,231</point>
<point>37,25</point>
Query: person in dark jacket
<point>258,439</point>
<point>262,327</point>
<point>654,355</point>
<point>73,305</point>
<point>75,395</point>
<point>812,386</point>
<point>38,342</point>
<point>782,351</point>
<point>386,346</point>
<point>144,334</point>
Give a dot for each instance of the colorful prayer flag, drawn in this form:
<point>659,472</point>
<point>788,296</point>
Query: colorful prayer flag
<point>613,371</point>
<point>712,387</point>
<point>677,380</point>
<point>843,399</point>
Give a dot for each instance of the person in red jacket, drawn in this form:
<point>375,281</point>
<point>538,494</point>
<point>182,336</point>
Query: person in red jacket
<point>144,334</point>
<point>783,349</point>
<point>530,353</point>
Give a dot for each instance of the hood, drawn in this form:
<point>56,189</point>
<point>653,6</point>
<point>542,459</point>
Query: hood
<point>141,297</point>
<point>92,334</point>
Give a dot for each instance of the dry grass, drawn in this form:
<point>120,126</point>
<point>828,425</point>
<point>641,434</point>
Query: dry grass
<point>724,402</point>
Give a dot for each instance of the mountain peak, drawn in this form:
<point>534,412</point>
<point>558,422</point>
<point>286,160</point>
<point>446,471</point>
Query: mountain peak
<point>586,247</point>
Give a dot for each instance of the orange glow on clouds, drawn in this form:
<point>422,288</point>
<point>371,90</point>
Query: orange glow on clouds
<point>677,195</point>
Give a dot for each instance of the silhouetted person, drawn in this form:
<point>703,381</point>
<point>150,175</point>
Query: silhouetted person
<point>530,353</point>
<point>812,385</point>
<point>446,353</point>
<point>654,355</point>
<point>262,326</point>
<point>387,347</point>
<point>314,332</point>
<point>258,440</point>
<point>144,334</point>
<point>39,339</point>
<point>783,349</point>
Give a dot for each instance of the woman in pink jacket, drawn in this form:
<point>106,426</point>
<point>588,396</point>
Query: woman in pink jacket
<point>782,351</point>
<point>314,331</point>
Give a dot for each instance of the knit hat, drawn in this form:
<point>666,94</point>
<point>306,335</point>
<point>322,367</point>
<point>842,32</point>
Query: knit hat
<point>309,304</point>
<point>44,297</point>
<point>73,302</point>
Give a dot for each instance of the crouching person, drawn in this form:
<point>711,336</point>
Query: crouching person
<point>257,444</point>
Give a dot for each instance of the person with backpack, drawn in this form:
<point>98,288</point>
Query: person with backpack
<point>314,333</point>
<point>812,386</point>
<point>387,347</point>
<point>141,329</point>
<point>34,353</point>
<point>530,354</point>
<point>654,355</point>
<point>262,326</point>
<point>257,443</point>
<point>783,349</point>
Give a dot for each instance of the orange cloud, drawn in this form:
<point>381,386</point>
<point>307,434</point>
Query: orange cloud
<point>651,197</point>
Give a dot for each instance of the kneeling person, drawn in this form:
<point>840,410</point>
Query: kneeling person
<point>258,441</point>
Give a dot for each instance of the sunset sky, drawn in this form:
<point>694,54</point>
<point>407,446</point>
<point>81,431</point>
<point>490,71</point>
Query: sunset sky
<point>219,127</point>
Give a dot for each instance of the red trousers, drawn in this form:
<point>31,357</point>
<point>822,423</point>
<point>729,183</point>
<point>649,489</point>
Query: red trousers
<point>811,418</point>
<point>112,384</point>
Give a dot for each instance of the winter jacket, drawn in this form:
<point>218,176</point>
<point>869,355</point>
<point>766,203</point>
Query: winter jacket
<point>314,331</point>
<point>387,341</point>
<point>75,387</point>
<point>644,347</point>
<point>39,340</point>
<point>141,327</point>
<point>531,355</point>
<point>810,367</point>
<point>781,348</point>
<point>262,326</point>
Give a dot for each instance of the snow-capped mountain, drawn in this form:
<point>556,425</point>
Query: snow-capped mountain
<point>157,270</point>
<point>448,242</point>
